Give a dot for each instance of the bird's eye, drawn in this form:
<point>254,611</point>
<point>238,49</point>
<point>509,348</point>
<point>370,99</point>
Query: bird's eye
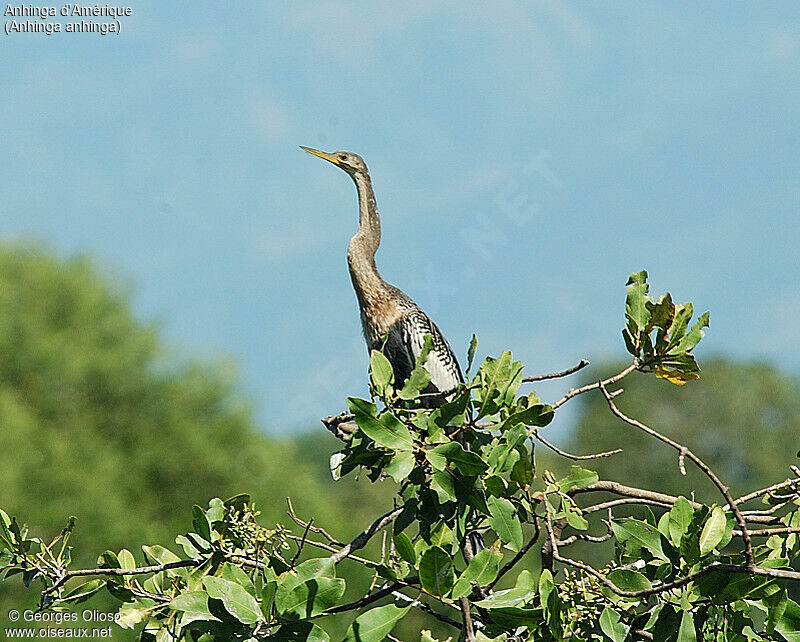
<point>342,157</point>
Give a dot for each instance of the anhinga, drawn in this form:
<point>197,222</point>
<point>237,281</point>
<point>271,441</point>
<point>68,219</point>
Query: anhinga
<point>391,321</point>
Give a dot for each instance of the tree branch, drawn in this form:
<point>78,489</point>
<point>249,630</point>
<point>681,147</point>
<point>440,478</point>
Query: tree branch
<point>594,386</point>
<point>364,536</point>
<point>556,375</point>
<point>686,452</point>
<point>564,453</point>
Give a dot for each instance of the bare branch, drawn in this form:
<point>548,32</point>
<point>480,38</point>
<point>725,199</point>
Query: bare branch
<point>629,491</point>
<point>556,375</point>
<point>594,386</point>
<point>683,450</point>
<point>564,453</point>
<point>364,536</point>
<point>425,608</point>
<point>339,425</point>
<point>466,618</point>
<point>308,525</point>
<point>765,491</point>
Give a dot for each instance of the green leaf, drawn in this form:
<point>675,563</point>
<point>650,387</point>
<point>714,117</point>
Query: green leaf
<point>473,346</point>
<point>194,604</point>
<point>417,381</point>
<point>641,533</point>
<point>540,414</point>
<point>467,463</point>
<point>405,548</point>
<point>381,371</point>
<point>427,346</point>
<point>637,299</point>
<point>216,511</point>
<point>517,596</point>
<point>692,338</point>
<point>713,530</point>
<point>108,559</point>
<point>298,632</point>
<point>575,520</point>
<point>522,471</point>
<point>401,465</point>
<point>629,580</point>
<point>482,569</point>
<point>578,477</point>
<point>683,313</point>
<point>237,575</point>
<point>496,485</point>
<point>83,592</point>
<point>6,538</point>
<point>315,567</point>
<point>160,555</point>
<point>504,522</point>
<point>436,571</point>
<point>442,484</point>
<point>200,523</point>
<point>788,625</point>
<point>611,626</point>
<point>680,516</point>
<point>387,431</point>
<point>310,598</point>
<point>237,601</point>
<point>375,624</point>
<point>687,632</point>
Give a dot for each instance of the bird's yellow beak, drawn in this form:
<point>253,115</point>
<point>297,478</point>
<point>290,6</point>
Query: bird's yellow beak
<point>323,155</point>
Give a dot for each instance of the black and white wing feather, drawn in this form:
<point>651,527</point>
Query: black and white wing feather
<point>404,343</point>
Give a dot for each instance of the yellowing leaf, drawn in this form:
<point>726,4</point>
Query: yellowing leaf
<point>675,376</point>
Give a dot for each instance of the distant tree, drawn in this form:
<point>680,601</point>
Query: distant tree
<point>99,420</point>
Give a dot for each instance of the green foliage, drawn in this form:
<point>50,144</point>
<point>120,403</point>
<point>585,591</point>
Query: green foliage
<point>465,471</point>
<point>656,332</point>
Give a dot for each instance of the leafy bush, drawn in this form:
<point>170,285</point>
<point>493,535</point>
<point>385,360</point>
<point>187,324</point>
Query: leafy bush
<point>477,536</point>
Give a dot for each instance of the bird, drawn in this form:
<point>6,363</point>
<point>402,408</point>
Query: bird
<point>390,320</point>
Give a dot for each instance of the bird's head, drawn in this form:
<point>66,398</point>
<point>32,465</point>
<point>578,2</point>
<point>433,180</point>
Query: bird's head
<point>348,161</point>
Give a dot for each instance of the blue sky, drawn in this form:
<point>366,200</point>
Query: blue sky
<point>527,156</point>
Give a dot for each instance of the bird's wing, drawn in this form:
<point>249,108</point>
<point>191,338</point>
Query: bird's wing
<point>442,364</point>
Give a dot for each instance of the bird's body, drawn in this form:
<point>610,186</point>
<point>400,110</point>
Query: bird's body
<point>390,320</point>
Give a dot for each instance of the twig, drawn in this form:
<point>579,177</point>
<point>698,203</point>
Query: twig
<point>594,386</point>
<point>466,618</point>
<point>300,546</point>
<point>332,549</point>
<point>564,453</point>
<point>765,491</point>
<point>683,450</point>
<point>339,425</point>
<point>619,502</point>
<point>595,539</point>
<point>365,601</point>
<point>141,570</point>
<point>307,525</point>
<point>556,375</point>
<point>629,491</point>
<point>364,536</point>
<point>425,608</point>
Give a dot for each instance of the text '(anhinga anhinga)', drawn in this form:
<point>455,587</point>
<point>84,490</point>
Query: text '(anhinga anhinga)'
<point>391,321</point>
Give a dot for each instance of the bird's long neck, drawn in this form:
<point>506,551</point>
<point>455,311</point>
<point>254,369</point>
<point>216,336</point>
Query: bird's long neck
<point>367,283</point>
